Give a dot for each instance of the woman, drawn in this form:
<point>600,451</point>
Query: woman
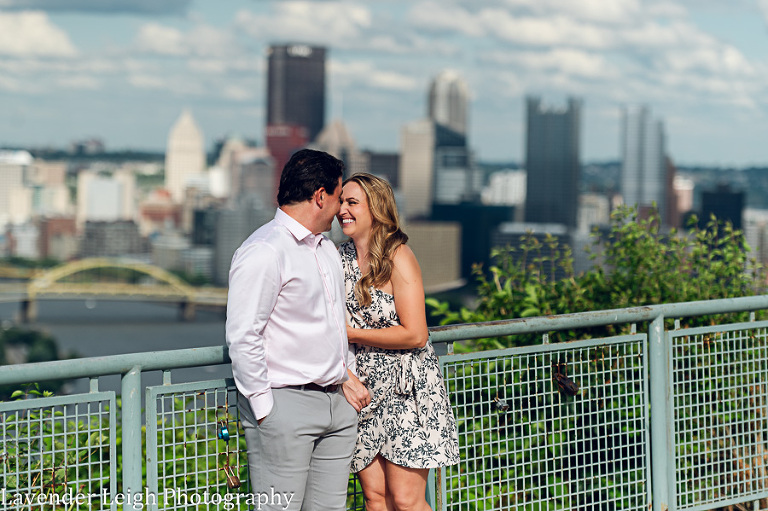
<point>408,427</point>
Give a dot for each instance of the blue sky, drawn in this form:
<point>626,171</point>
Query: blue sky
<point>122,70</point>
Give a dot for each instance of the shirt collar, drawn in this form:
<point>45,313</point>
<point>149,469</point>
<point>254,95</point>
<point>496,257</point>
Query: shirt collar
<point>298,231</point>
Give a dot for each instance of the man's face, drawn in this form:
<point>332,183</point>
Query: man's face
<point>331,206</point>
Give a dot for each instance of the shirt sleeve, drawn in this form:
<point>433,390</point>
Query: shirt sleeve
<point>254,285</point>
<point>351,363</point>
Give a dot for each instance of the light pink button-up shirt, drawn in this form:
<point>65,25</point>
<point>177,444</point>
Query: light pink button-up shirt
<point>285,312</point>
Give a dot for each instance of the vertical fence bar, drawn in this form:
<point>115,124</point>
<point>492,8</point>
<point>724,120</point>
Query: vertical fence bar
<point>659,363</point>
<point>131,421</point>
<point>430,497</point>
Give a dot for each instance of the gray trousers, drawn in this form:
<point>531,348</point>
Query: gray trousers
<point>299,455</point>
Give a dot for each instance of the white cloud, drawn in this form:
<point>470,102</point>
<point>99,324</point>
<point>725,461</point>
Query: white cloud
<point>714,61</point>
<point>238,93</point>
<point>149,7</point>
<point>155,38</point>
<point>570,61</point>
<point>614,11</point>
<point>439,17</point>
<point>31,34</point>
<point>11,84</point>
<point>177,85</point>
<point>200,41</point>
<point>556,30</point>
<point>365,73</point>
<point>763,6</point>
<point>79,82</point>
<point>333,24</point>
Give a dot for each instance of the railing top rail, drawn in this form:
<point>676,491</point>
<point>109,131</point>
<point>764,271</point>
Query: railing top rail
<point>540,324</point>
<point>213,355</point>
<point>113,364</point>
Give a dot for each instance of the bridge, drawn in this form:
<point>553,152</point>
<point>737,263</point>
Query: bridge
<point>110,279</point>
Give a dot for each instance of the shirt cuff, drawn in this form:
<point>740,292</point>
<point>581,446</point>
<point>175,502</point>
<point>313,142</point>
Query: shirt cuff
<point>262,404</point>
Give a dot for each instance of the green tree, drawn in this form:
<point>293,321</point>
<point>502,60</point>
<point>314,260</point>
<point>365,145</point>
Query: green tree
<point>635,264</point>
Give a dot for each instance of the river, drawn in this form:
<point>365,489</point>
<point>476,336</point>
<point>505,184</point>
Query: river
<point>98,328</point>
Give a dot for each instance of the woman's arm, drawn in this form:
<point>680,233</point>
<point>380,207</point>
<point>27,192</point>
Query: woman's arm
<point>356,393</point>
<point>408,290</point>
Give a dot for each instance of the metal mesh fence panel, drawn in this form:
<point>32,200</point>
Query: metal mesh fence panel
<point>58,452</point>
<point>196,454</point>
<point>194,465</point>
<point>561,426</point>
<point>719,389</point>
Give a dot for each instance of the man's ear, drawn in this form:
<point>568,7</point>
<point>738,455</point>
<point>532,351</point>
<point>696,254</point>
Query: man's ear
<point>320,196</point>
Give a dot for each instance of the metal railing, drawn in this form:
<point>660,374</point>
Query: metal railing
<point>667,417</point>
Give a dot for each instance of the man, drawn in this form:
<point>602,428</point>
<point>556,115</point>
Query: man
<point>287,340</point>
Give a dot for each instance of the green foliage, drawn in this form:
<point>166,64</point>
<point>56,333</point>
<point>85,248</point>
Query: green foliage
<point>635,264</point>
<point>541,448</point>
<point>46,452</point>
<point>23,262</point>
<point>30,390</point>
<point>197,279</point>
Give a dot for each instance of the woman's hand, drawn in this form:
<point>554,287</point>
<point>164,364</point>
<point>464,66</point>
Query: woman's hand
<point>355,392</point>
<point>351,334</point>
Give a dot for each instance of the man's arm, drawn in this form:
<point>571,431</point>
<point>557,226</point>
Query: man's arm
<point>254,285</point>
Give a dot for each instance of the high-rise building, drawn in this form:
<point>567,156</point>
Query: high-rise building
<point>417,155</point>
<point>184,156</point>
<point>253,183</point>
<point>58,238</point>
<point>111,239</point>
<point>724,203</point>
<point>449,101</point>
<point>553,165</point>
<point>436,167</point>
<point>282,141</point>
<point>296,87</point>
<point>105,198</point>
<point>14,166</point>
<point>506,187</point>
<point>336,140</point>
<point>644,176</point>
<point>295,100</point>
<point>384,165</point>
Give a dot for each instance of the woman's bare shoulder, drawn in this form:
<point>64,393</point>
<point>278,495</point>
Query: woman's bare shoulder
<point>405,262</point>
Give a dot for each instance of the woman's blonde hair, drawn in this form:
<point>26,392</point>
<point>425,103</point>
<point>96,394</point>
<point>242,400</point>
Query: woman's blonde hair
<point>386,235</point>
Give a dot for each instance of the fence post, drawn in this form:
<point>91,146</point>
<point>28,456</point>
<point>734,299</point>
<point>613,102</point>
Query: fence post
<point>131,421</point>
<point>659,366</point>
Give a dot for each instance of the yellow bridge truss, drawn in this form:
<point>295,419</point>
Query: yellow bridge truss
<point>162,286</point>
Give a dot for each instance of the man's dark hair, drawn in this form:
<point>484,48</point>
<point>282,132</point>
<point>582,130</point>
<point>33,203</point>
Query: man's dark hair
<point>306,172</point>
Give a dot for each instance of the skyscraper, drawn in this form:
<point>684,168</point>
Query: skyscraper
<point>295,100</point>
<point>643,166</point>
<point>14,166</point>
<point>449,101</point>
<point>552,153</point>
<point>296,87</point>
<point>435,167</point>
<point>184,156</point>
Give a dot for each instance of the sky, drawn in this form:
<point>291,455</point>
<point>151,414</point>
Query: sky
<point>124,70</point>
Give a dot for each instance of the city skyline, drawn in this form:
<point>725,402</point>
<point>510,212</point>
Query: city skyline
<point>124,70</point>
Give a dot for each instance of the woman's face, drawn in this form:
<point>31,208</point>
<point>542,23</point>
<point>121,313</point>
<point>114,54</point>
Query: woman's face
<point>355,216</point>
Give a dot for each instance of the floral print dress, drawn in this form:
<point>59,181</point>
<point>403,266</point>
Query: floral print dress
<point>409,420</point>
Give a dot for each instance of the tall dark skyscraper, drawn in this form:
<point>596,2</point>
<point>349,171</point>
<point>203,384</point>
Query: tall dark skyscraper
<point>553,163</point>
<point>295,100</point>
<point>296,87</point>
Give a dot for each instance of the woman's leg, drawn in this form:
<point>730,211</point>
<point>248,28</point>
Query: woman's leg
<point>407,487</point>
<point>373,480</point>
